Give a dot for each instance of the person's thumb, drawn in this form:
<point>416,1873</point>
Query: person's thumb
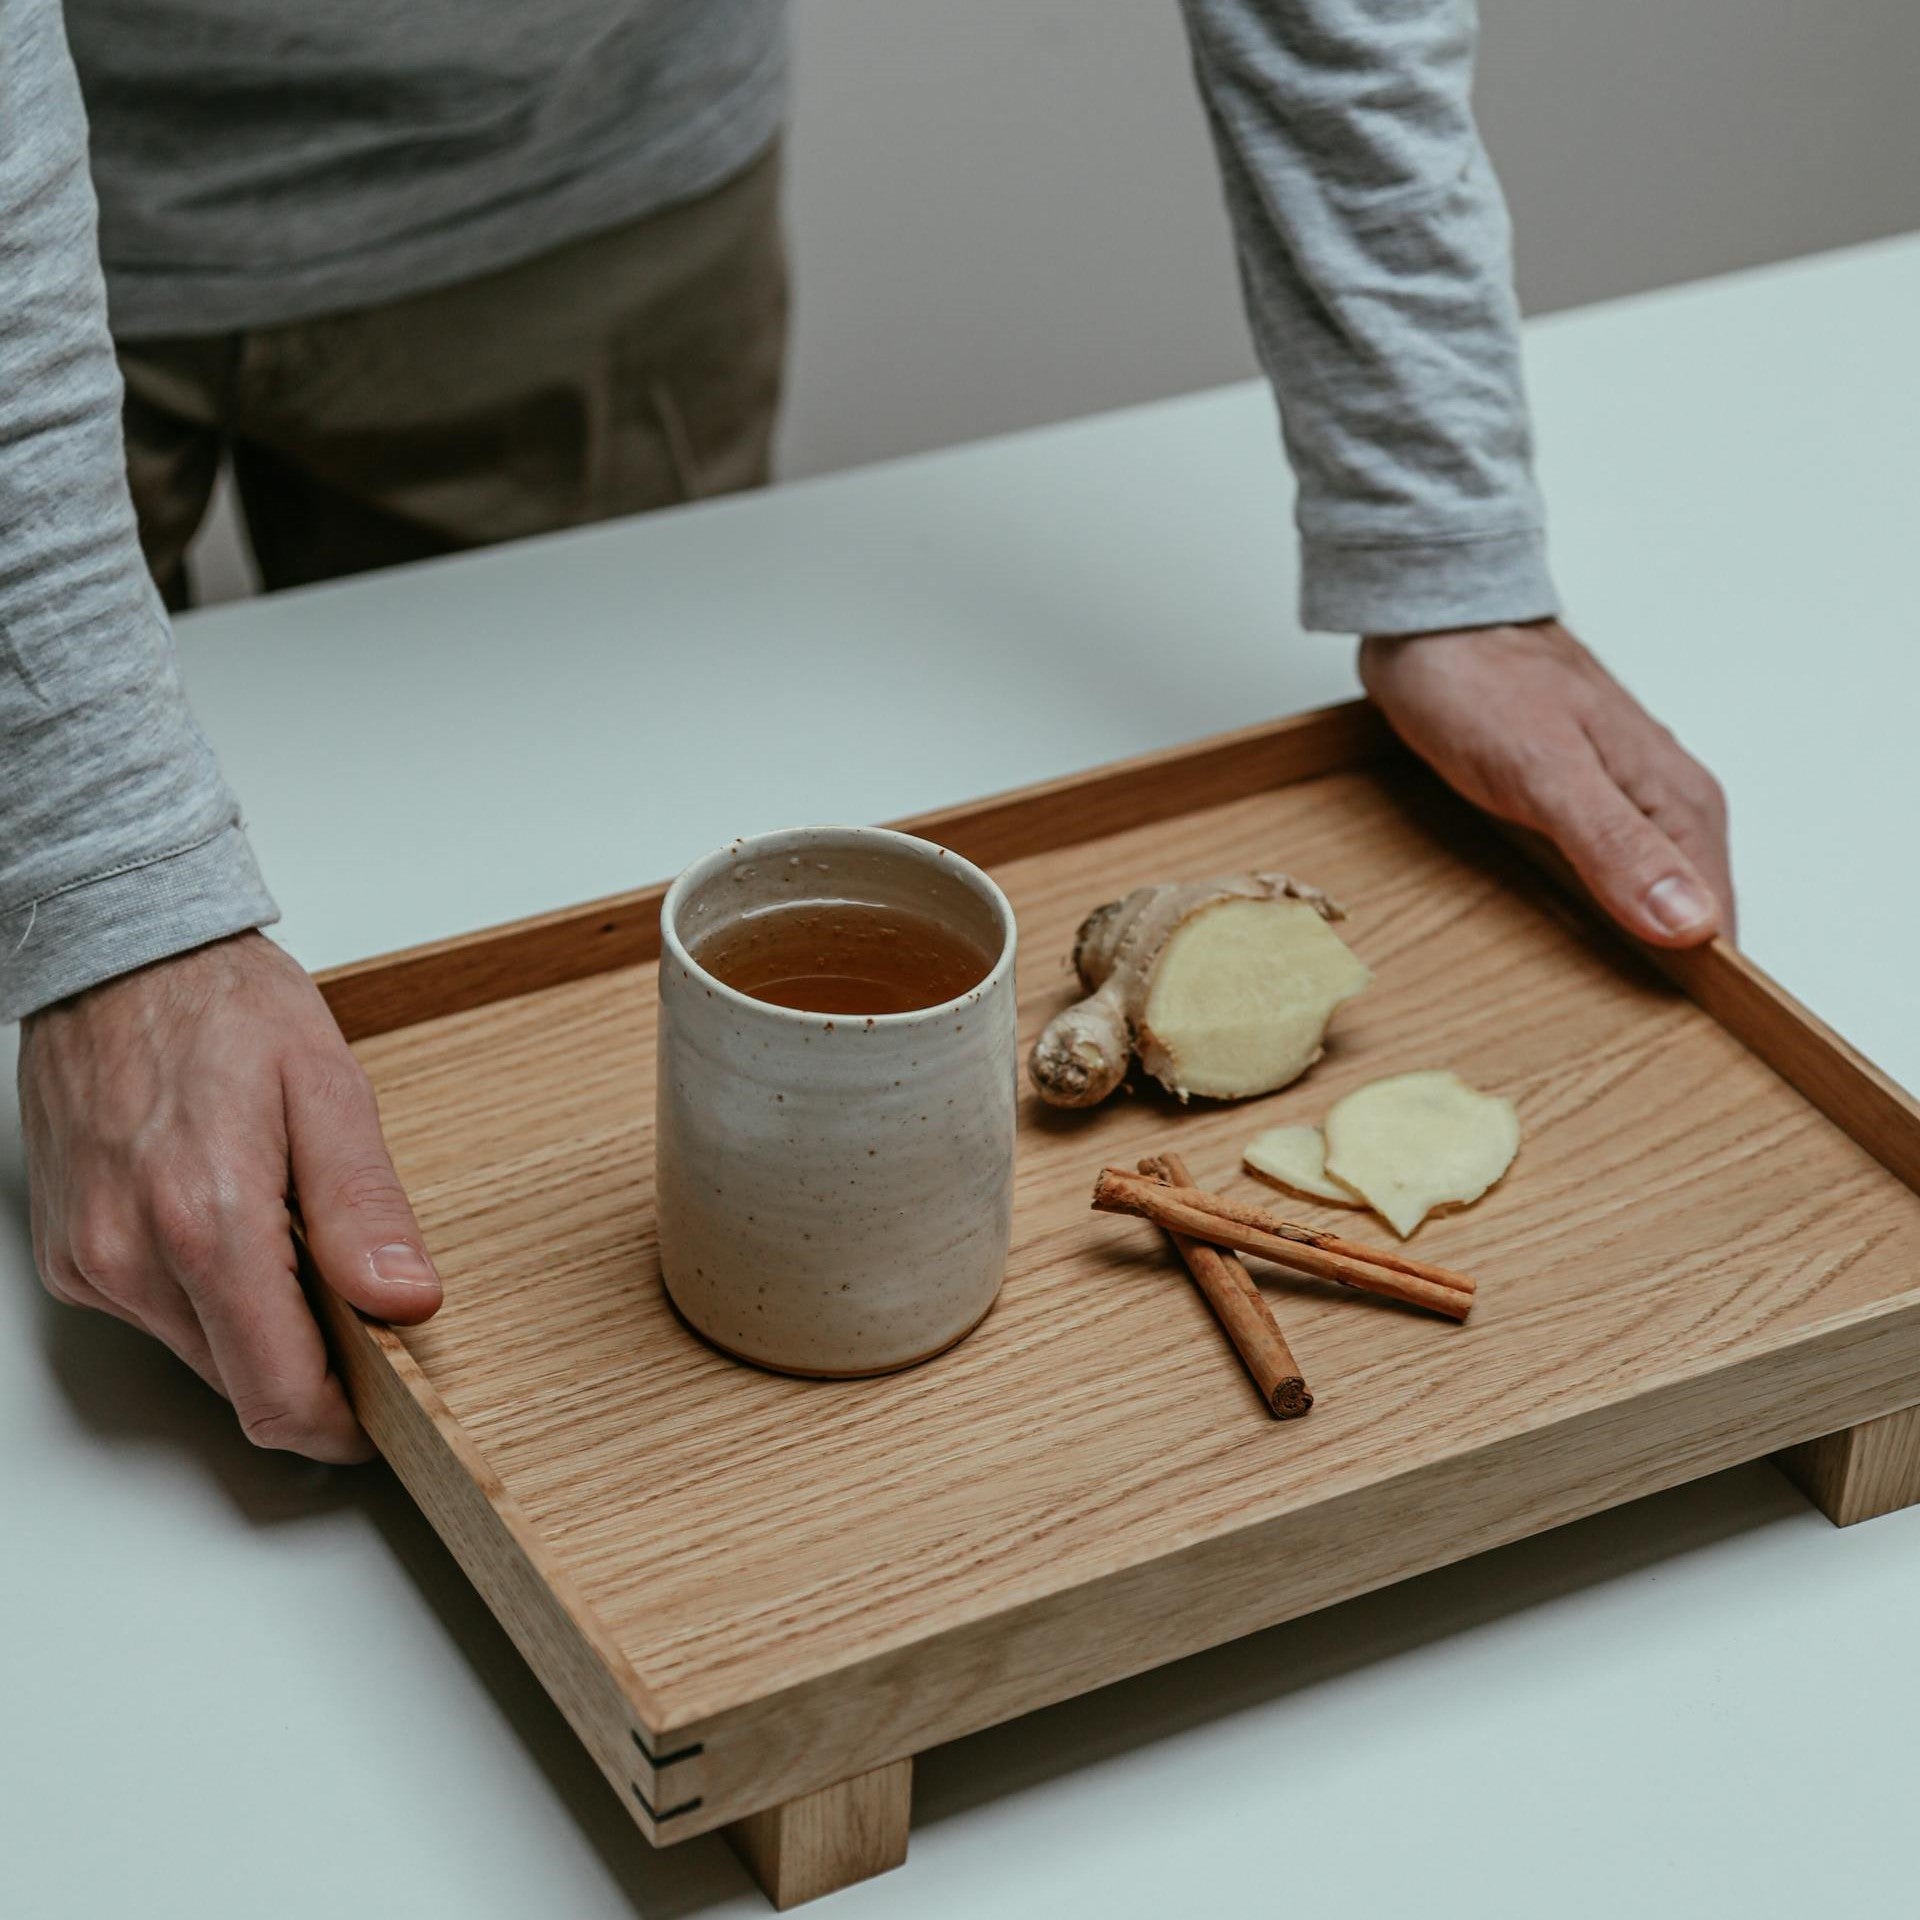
<point>359,1225</point>
<point>1632,868</point>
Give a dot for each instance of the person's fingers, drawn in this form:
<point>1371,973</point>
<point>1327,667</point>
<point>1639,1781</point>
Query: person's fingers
<point>1633,867</point>
<point>231,1253</point>
<point>154,1304</point>
<point>168,1316</point>
<point>1705,843</point>
<point>359,1225</point>
<point>1676,792</point>
<point>98,1263</point>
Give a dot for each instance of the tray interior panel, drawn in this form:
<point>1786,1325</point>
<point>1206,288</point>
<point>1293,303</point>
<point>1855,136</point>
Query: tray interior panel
<point>1674,1204</point>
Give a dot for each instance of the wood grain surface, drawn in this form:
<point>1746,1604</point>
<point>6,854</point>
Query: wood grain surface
<point>1861,1472</point>
<point>501,1552</point>
<point>828,1839</point>
<point>1689,1265</point>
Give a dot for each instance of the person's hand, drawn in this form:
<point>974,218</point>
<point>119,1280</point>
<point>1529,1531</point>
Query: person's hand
<point>1526,723</point>
<point>168,1115</point>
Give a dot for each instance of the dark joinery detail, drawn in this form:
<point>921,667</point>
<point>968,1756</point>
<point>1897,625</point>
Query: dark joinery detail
<point>669,1813</point>
<point>657,1761</point>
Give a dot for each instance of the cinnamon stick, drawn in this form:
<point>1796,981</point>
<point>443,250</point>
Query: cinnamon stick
<point>1246,1214</point>
<point>1201,1219</point>
<point>1239,1306</point>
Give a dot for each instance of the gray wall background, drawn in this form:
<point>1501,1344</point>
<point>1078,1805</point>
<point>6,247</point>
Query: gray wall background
<point>1004,212</point>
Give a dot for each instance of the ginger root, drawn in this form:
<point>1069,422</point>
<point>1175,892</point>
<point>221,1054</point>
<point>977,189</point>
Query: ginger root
<point>1296,1158</point>
<point>1221,987</point>
<point>1418,1142</point>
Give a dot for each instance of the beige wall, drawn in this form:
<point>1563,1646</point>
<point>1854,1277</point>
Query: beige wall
<point>1004,211</point>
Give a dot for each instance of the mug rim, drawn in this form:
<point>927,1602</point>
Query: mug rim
<point>781,840</point>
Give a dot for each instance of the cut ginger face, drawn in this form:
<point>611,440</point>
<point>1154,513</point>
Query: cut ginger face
<point>1240,997</point>
<point>1218,987</point>
<point>1418,1142</point>
<point>1296,1158</point>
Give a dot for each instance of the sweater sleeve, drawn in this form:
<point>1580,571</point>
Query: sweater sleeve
<point>119,841</point>
<point>1376,259</point>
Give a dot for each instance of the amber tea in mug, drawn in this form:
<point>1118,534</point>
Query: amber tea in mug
<point>844,956</point>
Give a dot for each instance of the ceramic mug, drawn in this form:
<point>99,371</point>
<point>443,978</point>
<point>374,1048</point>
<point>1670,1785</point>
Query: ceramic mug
<point>834,1191</point>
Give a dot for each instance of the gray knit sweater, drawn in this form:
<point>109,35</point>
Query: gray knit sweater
<point>258,162</point>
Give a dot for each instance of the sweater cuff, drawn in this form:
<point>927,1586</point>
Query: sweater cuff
<point>100,928</point>
<point>1426,587</point>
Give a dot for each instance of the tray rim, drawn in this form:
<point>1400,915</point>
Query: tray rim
<point>676,1785</point>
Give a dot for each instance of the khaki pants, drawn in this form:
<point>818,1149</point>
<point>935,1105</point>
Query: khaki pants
<point>625,371</point>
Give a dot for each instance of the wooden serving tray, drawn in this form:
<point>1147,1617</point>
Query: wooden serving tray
<point>756,1598</point>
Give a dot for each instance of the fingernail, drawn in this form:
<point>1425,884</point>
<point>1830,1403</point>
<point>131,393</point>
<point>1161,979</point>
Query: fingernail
<point>1679,904</point>
<point>402,1264</point>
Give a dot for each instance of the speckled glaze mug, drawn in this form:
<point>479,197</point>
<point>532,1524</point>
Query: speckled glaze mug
<point>834,1191</point>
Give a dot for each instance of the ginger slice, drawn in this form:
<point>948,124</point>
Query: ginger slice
<point>1420,1141</point>
<point>1241,998</point>
<point>1223,987</point>
<point>1296,1158</point>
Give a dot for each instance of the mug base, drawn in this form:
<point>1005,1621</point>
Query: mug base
<point>824,1373</point>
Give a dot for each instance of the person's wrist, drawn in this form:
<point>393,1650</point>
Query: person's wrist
<point>1543,626</point>
<point>1380,655</point>
<point>209,957</point>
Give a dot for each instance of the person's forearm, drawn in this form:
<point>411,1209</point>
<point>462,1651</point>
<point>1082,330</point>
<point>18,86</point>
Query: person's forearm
<point>119,842</point>
<point>1375,254</point>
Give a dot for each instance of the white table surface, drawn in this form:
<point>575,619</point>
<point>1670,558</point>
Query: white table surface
<point>234,1685</point>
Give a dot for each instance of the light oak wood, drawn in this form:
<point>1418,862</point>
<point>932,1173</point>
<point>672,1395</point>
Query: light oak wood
<point>1705,1253</point>
<point>531,1593</point>
<point>1869,1106</point>
<point>827,1840</point>
<point>1860,1473</point>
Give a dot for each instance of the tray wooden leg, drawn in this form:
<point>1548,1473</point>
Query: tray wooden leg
<point>1860,1472</point>
<point>827,1840</point>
